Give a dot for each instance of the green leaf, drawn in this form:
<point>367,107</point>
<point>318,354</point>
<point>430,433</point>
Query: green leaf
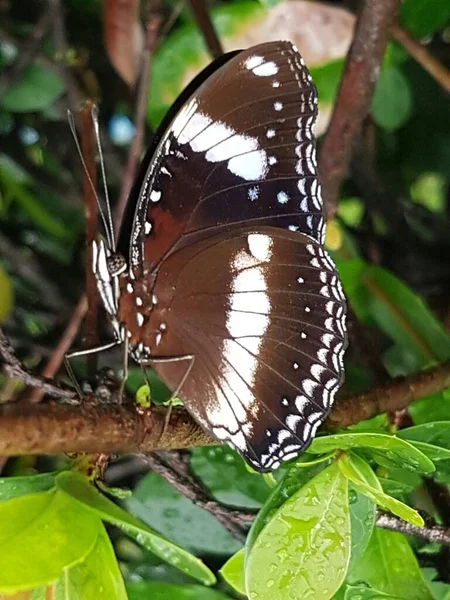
<point>233,571</point>
<point>36,90</point>
<point>291,482</point>
<point>354,468</point>
<point>78,487</point>
<point>362,520</point>
<point>433,439</point>
<point>160,590</point>
<point>435,407</point>
<point>405,318</point>
<point>224,473</point>
<point>6,297</point>
<point>400,483</point>
<point>98,577</point>
<point>387,450</point>
<point>304,550</point>
<point>31,204</point>
<point>361,592</point>
<point>436,434</point>
<point>423,17</point>
<point>391,102</point>
<point>162,507</point>
<point>389,565</point>
<point>40,535</point>
<point>326,79</point>
<point>12,487</point>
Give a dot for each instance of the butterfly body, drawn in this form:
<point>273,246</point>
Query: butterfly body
<point>227,291</point>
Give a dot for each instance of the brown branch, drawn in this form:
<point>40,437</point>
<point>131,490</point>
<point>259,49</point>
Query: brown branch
<point>434,533</point>
<point>393,395</point>
<point>355,93</point>
<point>204,23</point>
<point>52,428</point>
<point>426,60</point>
<point>152,27</point>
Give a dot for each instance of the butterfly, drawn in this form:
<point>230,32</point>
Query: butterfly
<point>220,280</point>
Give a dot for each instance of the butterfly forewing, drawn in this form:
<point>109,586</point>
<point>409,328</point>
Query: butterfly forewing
<point>263,313</point>
<point>241,150</point>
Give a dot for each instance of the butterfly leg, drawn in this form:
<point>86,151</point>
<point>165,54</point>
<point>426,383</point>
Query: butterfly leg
<point>85,352</point>
<point>176,391</point>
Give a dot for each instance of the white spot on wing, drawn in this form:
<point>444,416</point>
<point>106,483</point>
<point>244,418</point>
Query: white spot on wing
<point>260,246</point>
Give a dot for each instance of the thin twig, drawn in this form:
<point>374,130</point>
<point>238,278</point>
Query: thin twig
<point>134,155</point>
<point>355,93</point>
<point>204,23</point>
<point>232,519</point>
<point>15,369</point>
<point>57,356</point>
<point>435,533</point>
<point>431,64</point>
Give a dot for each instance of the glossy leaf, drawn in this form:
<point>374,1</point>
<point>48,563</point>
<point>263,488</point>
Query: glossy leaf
<point>160,590</point>
<point>435,407</point>
<point>36,90</point>
<point>97,577</point>
<point>437,434</point>
<point>388,450</point>
<point>362,521</point>
<point>224,473</point>
<point>433,439</point>
<point>362,592</point>
<point>291,482</point>
<point>79,488</point>
<point>162,507</point>
<point>424,17</point>
<point>391,102</point>
<point>304,550</point>
<point>354,468</point>
<point>12,487</point>
<point>389,565</point>
<point>40,535</point>
<point>405,317</point>
<point>233,571</point>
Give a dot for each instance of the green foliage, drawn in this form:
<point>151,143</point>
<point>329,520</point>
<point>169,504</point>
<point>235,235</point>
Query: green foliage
<point>305,549</point>
<point>424,17</point>
<point>30,523</point>
<point>161,506</point>
<point>158,590</point>
<point>37,90</point>
<point>391,103</point>
<point>81,491</point>
<point>389,565</point>
<point>226,476</point>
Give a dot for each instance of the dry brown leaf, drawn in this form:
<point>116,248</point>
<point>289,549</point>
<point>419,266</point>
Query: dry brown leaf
<point>124,37</point>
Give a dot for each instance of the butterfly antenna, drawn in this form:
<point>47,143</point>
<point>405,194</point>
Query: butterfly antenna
<point>94,116</point>
<point>73,129</point>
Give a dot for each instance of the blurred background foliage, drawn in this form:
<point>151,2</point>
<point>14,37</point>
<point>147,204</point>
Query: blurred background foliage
<point>390,238</point>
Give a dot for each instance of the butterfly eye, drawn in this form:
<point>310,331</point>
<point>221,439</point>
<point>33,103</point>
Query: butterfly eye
<point>116,264</point>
